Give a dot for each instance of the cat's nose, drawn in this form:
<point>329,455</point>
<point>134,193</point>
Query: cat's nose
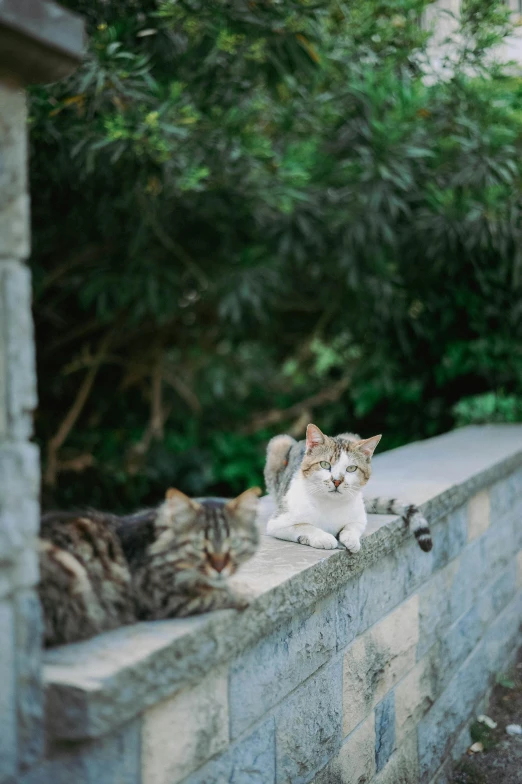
<point>218,562</point>
<point>337,482</point>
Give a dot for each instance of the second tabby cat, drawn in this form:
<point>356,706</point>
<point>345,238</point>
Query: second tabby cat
<point>99,571</point>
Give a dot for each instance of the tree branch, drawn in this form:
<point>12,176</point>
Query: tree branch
<point>68,422</point>
<point>276,415</point>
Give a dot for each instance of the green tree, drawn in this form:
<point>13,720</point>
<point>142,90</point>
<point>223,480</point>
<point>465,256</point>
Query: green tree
<point>249,215</point>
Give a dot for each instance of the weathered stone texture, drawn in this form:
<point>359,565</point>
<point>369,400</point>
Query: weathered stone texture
<point>384,730</point>
<point>478,515</point>
<point>114,759</point>
<point>438,728</point>
<point>8,730</point>
<point>455,706</point>
<point>498,547</point>
<point>403,765</point>
<point>29,692</point>
<point>355,761</point>
<point>377,660</point>
<point>308,726</point>
<point>389,575</point>
<point>450,537</point>
<point>183,732</point>
<point>504,494</point>
<point>19,490</point>
<point>435,606</point>
<point>18,393</point>
<point>415,695</point>
<point>280,662</point>
<point>250,761</point>
<point>347,615</point>
<point>14,200</point>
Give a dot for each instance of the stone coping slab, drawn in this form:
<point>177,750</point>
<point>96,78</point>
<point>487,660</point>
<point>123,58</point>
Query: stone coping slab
<point>39,41</point>
<point>94,686</point>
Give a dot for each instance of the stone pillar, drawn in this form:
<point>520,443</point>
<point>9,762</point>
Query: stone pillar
<point>39,42</point>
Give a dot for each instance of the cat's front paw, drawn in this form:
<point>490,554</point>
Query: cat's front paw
<point>320,540</point>
<point>351,541</point>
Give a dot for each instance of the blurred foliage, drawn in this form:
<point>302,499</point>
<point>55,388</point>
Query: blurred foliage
<point>488,408</point>
<point>251,215</point>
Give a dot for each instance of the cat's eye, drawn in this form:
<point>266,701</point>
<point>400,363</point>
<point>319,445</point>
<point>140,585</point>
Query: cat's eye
<point>324,464</point>
<point>351,469</point>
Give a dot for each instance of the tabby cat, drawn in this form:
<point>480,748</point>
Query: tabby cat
<point>99,571</point>
<point>317,485</point>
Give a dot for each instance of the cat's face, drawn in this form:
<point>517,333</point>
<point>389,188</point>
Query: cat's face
<point>207,541</point>
<point>337,467</point>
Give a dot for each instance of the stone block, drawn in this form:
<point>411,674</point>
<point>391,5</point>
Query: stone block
<point>347,616</point>
<point>250,761</point>
<point>453,708</point>
<point>469,579</point>
<point>21,573</point>
<point>308,726</point>
<point>403,765</point>
<point>515,486</point>
<point>14,199</point>
<point>504,495</point>
<point>500,499</point>
<point>114,759</point>
<point>462,741</point>
<point>355,761</point>
<point>444,775</point>
<point>415,694</point>
<point>377,660</point>
<point>382,587</point>
<point>417,566</point>
<point>502,637</point>
<point>449,537</point>
<point>435,606</point>
<point>457,525</point>
<point>17,345</point>
<point>384,730</point>
<point>499,592</point>
<point>29,693</point>
<point>517,524</point>
<point>478,515</point>
<point>8,738</point>
<point>181,733</point>
<point>263,675</point>
<point>498,547</point>
<point>25,570</point>
<point>19,493</point>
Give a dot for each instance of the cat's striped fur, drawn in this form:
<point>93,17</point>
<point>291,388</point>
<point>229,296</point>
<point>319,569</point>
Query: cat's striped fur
<point>410,513</point>
<point>302,490</point>
<point>99,571</point>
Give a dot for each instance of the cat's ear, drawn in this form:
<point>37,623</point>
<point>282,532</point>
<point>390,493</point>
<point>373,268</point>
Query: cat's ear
<point>244,507</point>
<point>368,445</point>
<point>179,507</point>
<point>314,437</point>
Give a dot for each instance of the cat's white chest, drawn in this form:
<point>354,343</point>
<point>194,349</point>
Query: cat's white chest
<point>331,515</point>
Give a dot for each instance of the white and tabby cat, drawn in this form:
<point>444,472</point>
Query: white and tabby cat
<point>317,485</point>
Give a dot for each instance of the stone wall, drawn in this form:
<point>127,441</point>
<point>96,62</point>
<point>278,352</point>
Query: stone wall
<point>21,708</point>
<point>344,669</point>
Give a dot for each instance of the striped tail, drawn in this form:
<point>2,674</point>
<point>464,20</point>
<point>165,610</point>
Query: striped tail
<point>276,460</point>
<point>409,512</point>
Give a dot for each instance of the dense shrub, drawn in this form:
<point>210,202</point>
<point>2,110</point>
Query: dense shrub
<point>250,215</point>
